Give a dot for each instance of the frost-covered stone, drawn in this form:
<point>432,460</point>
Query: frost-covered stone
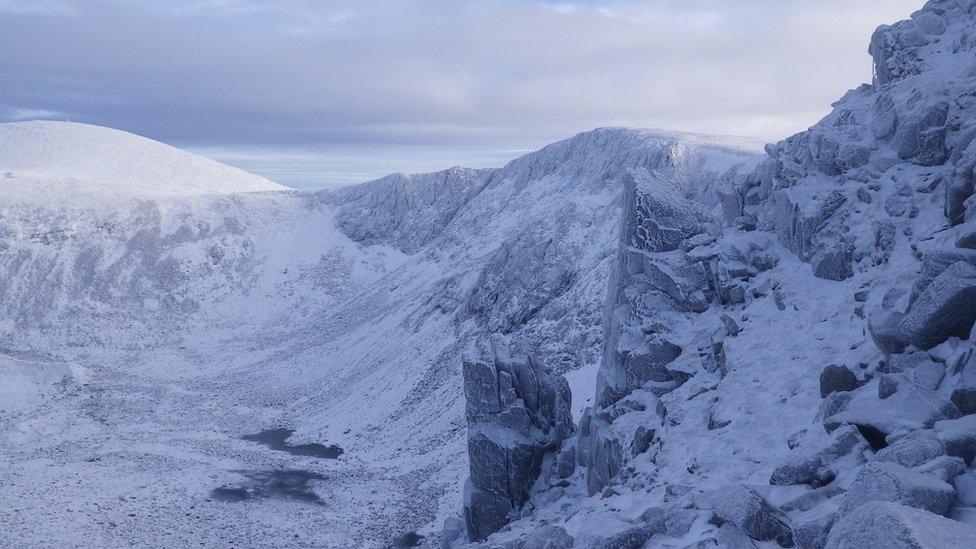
<point>815,470</point>
<point>880,481</point>
<point>946,308</point>
<point>812,534</point>
<point>748,510</point>
<point>655,219</point>
<point>548,537</point>
<point>909,408</point>
<point>959,436</point>
<point>921,135</point>
<point>913,449</point>
<point>887,525</point>
<point>516,412</point>
<point>672,522</point>
<point>632,538</point>
<point>964,387</point>
<point>958,190</point>
<point>944,468</point>
<point>965,485</point>
<point>935,263</point>
<point>884,329</point>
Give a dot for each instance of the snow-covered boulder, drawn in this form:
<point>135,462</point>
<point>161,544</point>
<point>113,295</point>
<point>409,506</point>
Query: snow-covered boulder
<point>909,407</point>
<point>946,308</point>
<point>959,436</point>
<point>881,481</point>
<point>913,449</point>
<point>887,525</point>
<point>748,510</point>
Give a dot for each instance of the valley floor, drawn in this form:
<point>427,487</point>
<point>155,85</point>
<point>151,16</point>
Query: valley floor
<point>119,456</point>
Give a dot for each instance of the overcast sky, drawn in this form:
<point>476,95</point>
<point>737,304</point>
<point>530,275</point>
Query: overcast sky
<point>321,93</point>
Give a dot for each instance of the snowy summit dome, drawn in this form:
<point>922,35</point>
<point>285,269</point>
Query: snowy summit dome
<point>46,159</point>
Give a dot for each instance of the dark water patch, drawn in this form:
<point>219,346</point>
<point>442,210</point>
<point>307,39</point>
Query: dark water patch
<point>277,439</point>
<point>230,495</point>
<point>281,484</point>
<point>410,539</point>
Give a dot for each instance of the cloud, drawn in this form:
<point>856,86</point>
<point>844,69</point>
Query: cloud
<point>459,75</point>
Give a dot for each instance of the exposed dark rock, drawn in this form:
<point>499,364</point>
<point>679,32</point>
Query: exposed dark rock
<point>835,379</point>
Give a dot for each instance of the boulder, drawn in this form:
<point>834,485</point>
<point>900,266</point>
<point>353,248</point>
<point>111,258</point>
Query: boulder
<point>548,537</point>
<point>886,525</point>
<point>964,388</point>
<point>959,436</point>
<point>833,264</point>
<point>880,481</point>
<point>913,449</point>
<point>935,263</point>
<point>928,375</point>
<point>728,536</point>
<point>883,327</point>
<point>946,308</point>
<point>812,534</point>
<point>814,470</point>
<point>958,190</point>
<point>943,467</point>
<point>745,508</point>
<point>965,486</point>
<point>632,538</point>
<point>910,408</point>
<point>835,379</point>
<point>669,522</point>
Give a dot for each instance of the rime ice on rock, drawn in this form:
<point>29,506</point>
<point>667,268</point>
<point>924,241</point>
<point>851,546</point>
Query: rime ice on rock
<point>516,412</point>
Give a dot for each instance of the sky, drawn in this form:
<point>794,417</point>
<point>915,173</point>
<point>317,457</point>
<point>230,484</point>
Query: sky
<point>314,93</point>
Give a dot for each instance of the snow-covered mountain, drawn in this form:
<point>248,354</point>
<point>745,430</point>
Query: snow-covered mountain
<point>626,339</point>
<point>147,334</point>
<point>61,161</point>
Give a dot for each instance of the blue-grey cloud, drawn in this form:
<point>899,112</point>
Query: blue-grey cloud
<point>461,81</point>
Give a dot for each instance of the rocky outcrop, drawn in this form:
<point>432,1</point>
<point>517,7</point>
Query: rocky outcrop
<point>516,413</point>
<point>655,219</point>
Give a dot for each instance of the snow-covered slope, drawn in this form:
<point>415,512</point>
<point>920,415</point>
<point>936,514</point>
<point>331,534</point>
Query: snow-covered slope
<point>185,322</point>
<point>62,161</point>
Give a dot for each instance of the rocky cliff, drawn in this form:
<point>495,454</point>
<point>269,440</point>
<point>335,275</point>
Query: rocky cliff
<point>794,365</point>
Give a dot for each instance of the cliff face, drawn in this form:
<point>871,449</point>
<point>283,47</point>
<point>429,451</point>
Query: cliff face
<point>773,364</point>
